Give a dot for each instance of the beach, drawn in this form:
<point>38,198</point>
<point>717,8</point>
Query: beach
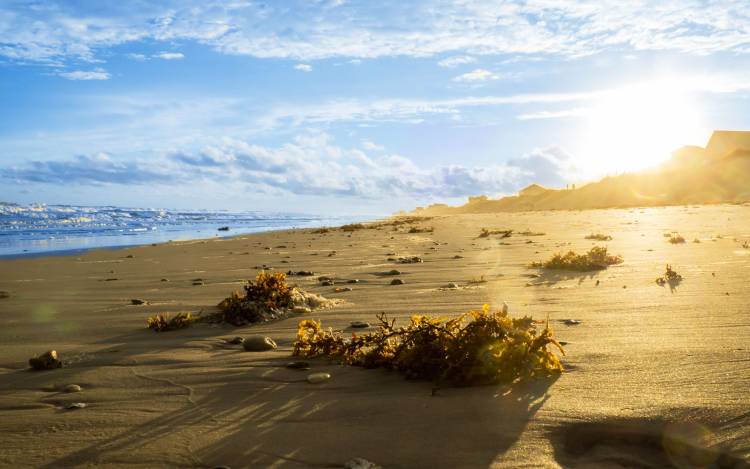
<point>638,355</point>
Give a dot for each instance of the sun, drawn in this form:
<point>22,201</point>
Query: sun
<point>637,127</point>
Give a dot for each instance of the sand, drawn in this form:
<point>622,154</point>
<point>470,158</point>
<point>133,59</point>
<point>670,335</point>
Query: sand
<point>642,354</point>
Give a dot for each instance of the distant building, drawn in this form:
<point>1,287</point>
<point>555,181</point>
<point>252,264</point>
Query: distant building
<point>726,142</point>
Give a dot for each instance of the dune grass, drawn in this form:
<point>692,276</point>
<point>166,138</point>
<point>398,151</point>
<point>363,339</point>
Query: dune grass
<point>480,347</point>
<point>596,258</point>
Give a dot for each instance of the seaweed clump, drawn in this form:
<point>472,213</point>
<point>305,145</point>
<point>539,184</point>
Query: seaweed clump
<point>163,322</point>
<point>268,297</point>
<point>596,258</point>
<point>599,237</point>
<point>675,238</point>
<point>481,347</point>
<point>353,227</point>
<point>485,233</point>
<point>670,277</point>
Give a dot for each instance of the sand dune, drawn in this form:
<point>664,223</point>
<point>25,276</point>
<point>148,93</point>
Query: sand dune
<point>644,360</point>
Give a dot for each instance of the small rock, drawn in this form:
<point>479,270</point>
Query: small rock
<point>72,388</point>
<point>452,285</point>
<point>198,283</point>
<point>236,340</point>
<point>360,463</point>
<point>316,378</point>
<point>4,294</point>
<point>342,289</point>
<point>397,281</point>
<point>298,365</point>
<point>258,344</point>
<point>223,228</point>
<point>353,280</point>
<point>301,310</point>
<point>359,324</point>
<point>571,322</point>
<point>326,283</point>
<point>46,361</point>
<point>393,272</point>
<point>165,280</point>
<point>130,256</point>
<point>458,257</point>
<point>137,301</point>
<point>76,405</point>
<point>597,283</point>
<point>409,260</point>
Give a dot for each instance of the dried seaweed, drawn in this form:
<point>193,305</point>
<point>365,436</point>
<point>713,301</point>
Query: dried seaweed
<point>675,238</point>
<point>415,229</point>
<point>595,259</point>
<point>481,347</point>
<point>485,233</point>
<point>670,277</point>
<point>353,227</point>
<point>599,237</point>
<point>162,322</point>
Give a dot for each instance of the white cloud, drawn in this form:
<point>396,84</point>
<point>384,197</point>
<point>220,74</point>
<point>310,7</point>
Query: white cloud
<point>56,31</point>
<point>138,57</point>
<point>372,146</point>
<point>303,67</point>
<point>309,164</point>
<point>455,61</point>
<point>170,55</point>
<point>96,74</point>
<point>475,75</point>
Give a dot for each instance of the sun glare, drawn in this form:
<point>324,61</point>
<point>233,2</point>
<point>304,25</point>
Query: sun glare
<point>637,127</point>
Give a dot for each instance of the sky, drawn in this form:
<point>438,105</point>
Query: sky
<point>354,107</point>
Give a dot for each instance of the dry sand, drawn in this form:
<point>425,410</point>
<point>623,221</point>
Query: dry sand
<point>185,399</point>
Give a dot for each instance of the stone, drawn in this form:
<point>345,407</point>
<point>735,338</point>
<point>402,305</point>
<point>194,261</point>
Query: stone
<point>198,283</point>
<point>76,405</point>
<point>4,294</point>
<point>452,285</point>
<point>258,343</point>
<point>397,281</point>
<point>409,260</point>
<point>458,257</point>
<point>360,463</point>
<point>343,289</point>
<point>393,272</point>
<point>130,256</point>
<point>359,324</point>
<point>72,388</point>
<point>571,322</point>
<point>301,310</point>
<point>353,280</point>
<point>236,340</point>
<point>46,361</point>
<point>165,280</point>
<point>326,283</point>
<point>316,378</point>
<point>138,301</point>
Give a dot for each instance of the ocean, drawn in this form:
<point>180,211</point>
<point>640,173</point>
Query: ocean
<point>29,230</point>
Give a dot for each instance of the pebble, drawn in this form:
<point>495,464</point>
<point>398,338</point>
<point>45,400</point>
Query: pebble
<point>315,378</point>
<point>393,272</point>
<point>343,289</point>
<point>4,294</point>
<point>298,365</point>
<point>130,256</point>
<point>353,280</point>
<point>165,280</point>
<point>359,324</point>
<point>452,285</point>
<point>458,257</point>
<point>236,340</point>
<point>360,463</point>
<point>76,405</point>
<point>72,388</point>
<point>258,343</point>
<point>198,283</point>
<point>397,281</point>
<point>326,283</point>
<point>301,310</point>
<point>137,301</point>
<point>572,322</point>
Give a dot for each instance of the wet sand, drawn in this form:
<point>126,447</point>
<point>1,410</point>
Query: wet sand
<point>642,354</point>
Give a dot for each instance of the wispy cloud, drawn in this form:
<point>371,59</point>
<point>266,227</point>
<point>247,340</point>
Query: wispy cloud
<point>170,55</point>
<point>303,67</point>
<point>575,112</point>
<point>476,75</point>
<point>96,74</point>
<point>56,31</point>
<point>455,61</point>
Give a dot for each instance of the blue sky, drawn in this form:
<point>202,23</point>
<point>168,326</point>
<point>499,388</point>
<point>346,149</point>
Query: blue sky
<point>354,106</point>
